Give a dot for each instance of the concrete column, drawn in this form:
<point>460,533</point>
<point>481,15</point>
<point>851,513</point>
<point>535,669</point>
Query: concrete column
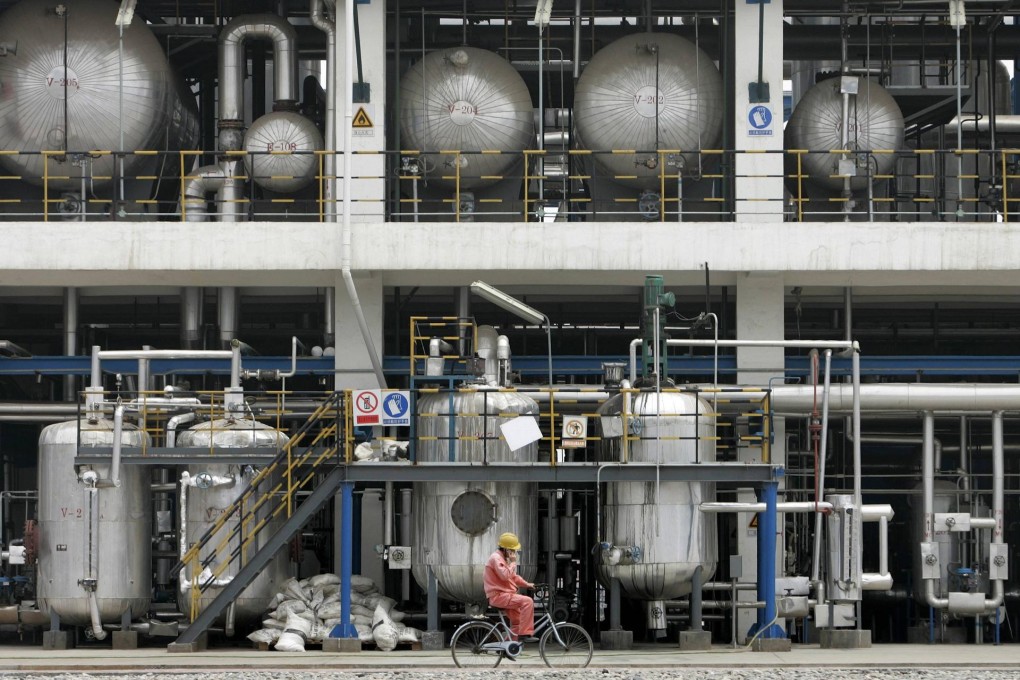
<point>759,317</point>
<point>369,188</point>
<point>354,368</point>
<point>759,124</point>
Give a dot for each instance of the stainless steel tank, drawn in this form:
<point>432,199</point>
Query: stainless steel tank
<point>466,99</point>
<point>456,525</point>
<point>121,552</point>
<point>646,92</point>
<point>661,520</point>
<point>876,123</point>
<point>281,150</point>
<point>216,487</point>
<point>52,105</point>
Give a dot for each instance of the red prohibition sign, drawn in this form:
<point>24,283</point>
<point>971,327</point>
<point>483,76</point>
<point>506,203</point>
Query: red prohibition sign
<point>367,402</point>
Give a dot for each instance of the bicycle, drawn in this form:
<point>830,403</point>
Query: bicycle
<point>483,643</point>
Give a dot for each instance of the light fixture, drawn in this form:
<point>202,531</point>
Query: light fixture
<point>126,13</point>
<point>543,13</point>
<point>517,308</point>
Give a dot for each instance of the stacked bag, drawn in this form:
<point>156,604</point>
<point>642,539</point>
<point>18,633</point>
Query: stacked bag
<point>307,610</point>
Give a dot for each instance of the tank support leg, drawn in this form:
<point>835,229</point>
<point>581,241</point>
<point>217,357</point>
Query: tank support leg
<point>345,629</point>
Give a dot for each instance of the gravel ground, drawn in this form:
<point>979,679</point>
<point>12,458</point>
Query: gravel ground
<point>527,674</point>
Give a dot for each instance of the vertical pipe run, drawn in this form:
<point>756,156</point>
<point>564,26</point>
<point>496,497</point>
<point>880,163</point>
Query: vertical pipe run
<point>71,300</point>
<point>823,451</point>
<point>405,538</point>
<point>347,629</point>
<point>228,315</point>
<point>767,628</point>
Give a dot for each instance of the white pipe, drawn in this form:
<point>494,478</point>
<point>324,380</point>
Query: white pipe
<point>345,253</point>
<point>97,622</point>
<point>906,397</point>
<point>325,24</point>
<point>872,581</point>
<point>789,506</point>
<point>234,354</point>
<point>928,486</point>
<point>388,515</point>
<point>70,337</point>
<point>173,424</point>
<point>233,62</point>
<point>113,481</point>
<point>998,483</point>
<point>201,182</point>
<point>983,523</point>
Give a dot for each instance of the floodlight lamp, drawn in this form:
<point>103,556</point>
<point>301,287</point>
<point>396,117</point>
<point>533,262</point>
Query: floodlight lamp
<point>126,13</point>
<point>543,13</point>
<point>510,304</point>
<point>957,14</point>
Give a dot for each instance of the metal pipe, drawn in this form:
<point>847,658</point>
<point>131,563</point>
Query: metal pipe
<point>232,61</point>
<point>328,26</point>
<point>905,397</point>
<point>388,515</point>
<point>191,316</point>
<point>345,242</point>
<point>328,317</point>
<point>201,182</point>
<point>113,480</point>
<point>227,314</point>
<point>71,301</point>
<point>998,487</point>
<point>173,424</point>
<point>816,554</point>
<point>97,621</point>
<point>928,487</point>
<point>577,39</point>
<point>789,506</point>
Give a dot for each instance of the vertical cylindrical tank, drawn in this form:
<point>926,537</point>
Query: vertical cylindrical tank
<point>653,533</point>
<point>466,99</point>
<point>118,555</point>
<point>216,486</point>
<point>68,94</point>
<point>457,524</point>
<point>647,92</point>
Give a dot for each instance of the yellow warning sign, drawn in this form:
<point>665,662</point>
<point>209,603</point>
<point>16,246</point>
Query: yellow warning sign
<point>361,119</point>
<point>754,522</point>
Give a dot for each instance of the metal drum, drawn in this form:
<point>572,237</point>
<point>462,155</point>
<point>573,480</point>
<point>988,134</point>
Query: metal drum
<point>456,524</point>
<point>50,104</point>
<point>648,91</point>
<point>281,148</point>
<point>121,550</point>
<point>667,536</point>
<point>466,99</point>
<point>875,120</point>
<point>216,487</point>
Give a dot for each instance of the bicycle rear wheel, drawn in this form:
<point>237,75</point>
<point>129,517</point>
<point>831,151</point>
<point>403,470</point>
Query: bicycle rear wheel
<point>467,649</point>
<point>573,649</point>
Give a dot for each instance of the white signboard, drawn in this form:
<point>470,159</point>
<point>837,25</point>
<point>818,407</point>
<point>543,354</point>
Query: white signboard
<point>520,431</point>
<point>575,430</point>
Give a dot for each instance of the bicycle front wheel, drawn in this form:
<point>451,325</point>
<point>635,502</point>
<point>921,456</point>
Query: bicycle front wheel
<point>572,649</point>
<point>468,645</point>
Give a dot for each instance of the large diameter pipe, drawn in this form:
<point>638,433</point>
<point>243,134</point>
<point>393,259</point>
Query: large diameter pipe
<point>906,397</point>
<point>228,314</point>
<point>232,60</point>
<point>71,301</point>
<point>325,24</point>
<point>113,480</point>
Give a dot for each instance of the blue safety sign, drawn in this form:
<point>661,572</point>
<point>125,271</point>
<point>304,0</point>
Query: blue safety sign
<point>396,409</point>
<point>759,118</point>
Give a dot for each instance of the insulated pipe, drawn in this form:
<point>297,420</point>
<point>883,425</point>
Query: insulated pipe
<point>234,354</point>
<point>328,317</point>
<point>202,181</point>
<point>928,485</point>
<point>998,480</point>
<point>173,424</point>
<point>232,61</point>
<point>227,314</point>
<point>97,622</point>
<point>388,501</point>
<point>907,397</point>
<point>325,24</point>
<point>345,242</point>
<point>191,316</point>
<point>792,506</point>
<point>113,481</point>
<point>71,301</point>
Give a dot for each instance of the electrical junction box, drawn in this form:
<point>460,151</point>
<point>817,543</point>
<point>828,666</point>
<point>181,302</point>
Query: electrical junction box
<point>952,521</point>
<point>399,557</point>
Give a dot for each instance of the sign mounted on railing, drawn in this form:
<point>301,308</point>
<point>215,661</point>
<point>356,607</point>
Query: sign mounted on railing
<point>390,408</point>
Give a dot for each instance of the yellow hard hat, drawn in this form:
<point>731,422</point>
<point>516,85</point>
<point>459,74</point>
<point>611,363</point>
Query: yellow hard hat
<point>509,541</point>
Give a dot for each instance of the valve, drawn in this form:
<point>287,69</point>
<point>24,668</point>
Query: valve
<point>931,560</point>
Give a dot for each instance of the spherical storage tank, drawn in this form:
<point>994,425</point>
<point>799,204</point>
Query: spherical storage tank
<point>47,105</point>
<point>216,487</point>
<point>876,123</point>
<point>456,525</point>
<point>646,92</point>
<point>466,99</point>
<point>662,519</point>
<point>115,520</point>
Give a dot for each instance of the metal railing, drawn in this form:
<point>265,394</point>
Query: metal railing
<point>666,185</point>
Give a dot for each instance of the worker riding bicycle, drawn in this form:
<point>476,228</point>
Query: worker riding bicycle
<point>502,584</point>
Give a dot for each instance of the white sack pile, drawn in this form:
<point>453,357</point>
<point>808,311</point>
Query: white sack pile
<point>307,610</point>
